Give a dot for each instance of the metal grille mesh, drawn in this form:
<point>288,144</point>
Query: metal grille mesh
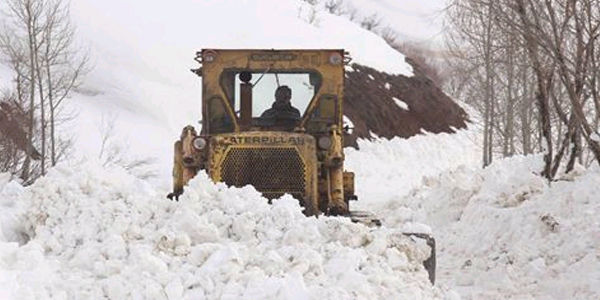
<point>272,171</point>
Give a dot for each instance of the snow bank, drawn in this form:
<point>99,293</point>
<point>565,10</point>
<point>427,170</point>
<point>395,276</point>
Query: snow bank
<point>94,232</point>
<point>388,169</point>
<point>502,232</point>
<point>505,233</point>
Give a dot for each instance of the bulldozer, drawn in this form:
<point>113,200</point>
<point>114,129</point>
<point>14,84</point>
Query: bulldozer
<point>297,150</point>
<point>299,155</point>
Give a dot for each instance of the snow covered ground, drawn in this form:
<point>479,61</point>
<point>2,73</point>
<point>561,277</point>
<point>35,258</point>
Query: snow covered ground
<point>502,232</point>
<point>91,232</point>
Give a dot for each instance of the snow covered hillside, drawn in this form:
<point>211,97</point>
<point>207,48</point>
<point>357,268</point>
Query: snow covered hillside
<point>144,52</point>
<point>414,20</point>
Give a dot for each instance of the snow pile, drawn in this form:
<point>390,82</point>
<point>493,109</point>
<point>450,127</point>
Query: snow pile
<point>93,232</point>
<point>388,169</point>
<point>505,233</point>
<point>502,233</point>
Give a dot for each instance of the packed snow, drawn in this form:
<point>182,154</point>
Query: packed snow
<point>86,231</point>
<point>91,230</point>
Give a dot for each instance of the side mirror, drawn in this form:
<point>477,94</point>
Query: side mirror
<point>347,129</point>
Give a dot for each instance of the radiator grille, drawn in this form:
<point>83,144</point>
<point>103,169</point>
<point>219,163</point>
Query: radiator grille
<point>272,171</point>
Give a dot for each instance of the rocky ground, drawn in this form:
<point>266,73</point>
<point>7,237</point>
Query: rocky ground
<point>396,105</point>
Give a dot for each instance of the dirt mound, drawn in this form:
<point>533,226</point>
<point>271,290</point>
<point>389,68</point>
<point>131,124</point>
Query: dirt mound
<point>395,105</point>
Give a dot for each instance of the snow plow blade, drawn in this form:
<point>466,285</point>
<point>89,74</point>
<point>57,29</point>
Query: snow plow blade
<point>429,263</point>
<point>369,219</point>
<point>364,217</point>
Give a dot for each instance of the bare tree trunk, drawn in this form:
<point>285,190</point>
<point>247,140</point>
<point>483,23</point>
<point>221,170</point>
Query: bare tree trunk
<point>508,143</point>
<point>42,110</point>
<point>563,146</point>
<point>544,80</point>
<point>488,102</point>
<point>575,150</point>
<point>31,36</point>
<point>524,114</point>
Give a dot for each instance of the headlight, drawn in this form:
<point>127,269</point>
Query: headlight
<point>335,59</point>
<point>209,56</point>
<point>324,142</point>
<point>199,143</point>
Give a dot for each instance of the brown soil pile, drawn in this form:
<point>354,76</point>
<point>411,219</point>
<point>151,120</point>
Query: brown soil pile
<point>418,105</point>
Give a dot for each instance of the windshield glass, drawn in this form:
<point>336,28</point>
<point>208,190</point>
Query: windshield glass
<point>303,87</point>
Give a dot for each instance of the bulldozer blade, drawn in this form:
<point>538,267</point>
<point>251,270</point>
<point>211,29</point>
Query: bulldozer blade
<point>370,219</point>
<point>430,262</point>
<point>365,218</point>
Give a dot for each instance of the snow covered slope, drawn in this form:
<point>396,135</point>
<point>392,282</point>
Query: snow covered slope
<point>143,52</point>
<point>414,20</point>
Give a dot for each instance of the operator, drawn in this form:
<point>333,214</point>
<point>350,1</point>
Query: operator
<point>282,112</point>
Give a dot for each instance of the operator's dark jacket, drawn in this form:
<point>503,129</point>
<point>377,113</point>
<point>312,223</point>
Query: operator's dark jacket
<point>280,114</point>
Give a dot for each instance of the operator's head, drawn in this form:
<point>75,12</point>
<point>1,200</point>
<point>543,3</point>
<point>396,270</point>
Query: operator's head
<point>283,94</point>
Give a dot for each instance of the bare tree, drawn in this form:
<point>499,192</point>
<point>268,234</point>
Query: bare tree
<point>389,35</point>
<point>37,41</point>
<point>334,7</point>
<point>473,28</point>
<point>20,42</point>
<point>371,22</point>
<point>547,58</point>
<point>63,65</point>
<point>113,152</point>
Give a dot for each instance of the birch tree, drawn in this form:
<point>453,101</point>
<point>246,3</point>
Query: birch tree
<point>37,41</point>
<point>548,58</point>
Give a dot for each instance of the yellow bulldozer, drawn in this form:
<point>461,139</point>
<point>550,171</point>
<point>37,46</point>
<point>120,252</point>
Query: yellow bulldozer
<point>274,119</point>
<point>249,136</point>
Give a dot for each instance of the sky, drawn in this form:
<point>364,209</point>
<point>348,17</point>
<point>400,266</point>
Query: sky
<point>90,230</point>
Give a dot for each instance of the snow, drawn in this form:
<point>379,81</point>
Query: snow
<point>99,232</point>
<point>141,65</point>
<point>88,231</point>
<point>413,20</point>
<point>348,125</point>
<point>400,103</point>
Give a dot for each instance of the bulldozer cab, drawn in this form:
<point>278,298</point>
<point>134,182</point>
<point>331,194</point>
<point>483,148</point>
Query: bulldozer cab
<point>238,86</point>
